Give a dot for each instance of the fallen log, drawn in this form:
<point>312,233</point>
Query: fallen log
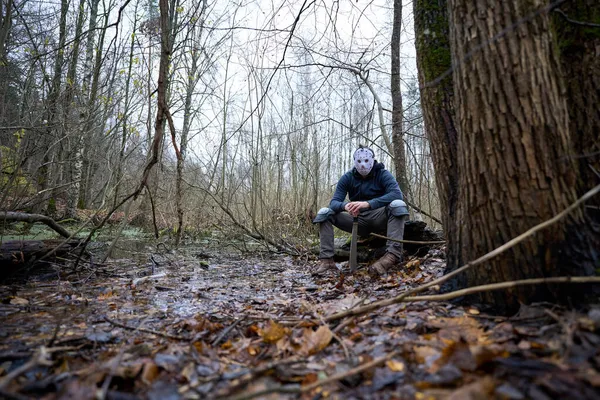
<point>373,247</point>
<point>12,216</point>
<point>14,253</point>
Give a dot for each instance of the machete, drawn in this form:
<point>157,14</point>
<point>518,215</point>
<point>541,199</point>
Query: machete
<point>353,245</point>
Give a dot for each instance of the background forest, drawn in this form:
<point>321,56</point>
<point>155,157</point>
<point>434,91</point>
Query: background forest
<point>267,101</point>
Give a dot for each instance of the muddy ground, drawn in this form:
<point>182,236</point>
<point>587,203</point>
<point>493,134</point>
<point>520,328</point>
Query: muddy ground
<point>209,322</point>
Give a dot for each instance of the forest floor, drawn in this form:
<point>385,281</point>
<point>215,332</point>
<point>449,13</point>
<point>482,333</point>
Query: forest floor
<point>205,322</point>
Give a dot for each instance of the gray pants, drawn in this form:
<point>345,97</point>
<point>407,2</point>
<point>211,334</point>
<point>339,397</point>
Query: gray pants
<point>379,220</point>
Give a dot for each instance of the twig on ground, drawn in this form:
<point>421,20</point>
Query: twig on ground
<point>568,329</point>
<point>304,389</point>
<point>40,358</point>
<point>137,281</point>
<point>408,241</point>
<point>115,364</point>
<point>226,332</point>
<point>245,379</point>
<point>145,330</point>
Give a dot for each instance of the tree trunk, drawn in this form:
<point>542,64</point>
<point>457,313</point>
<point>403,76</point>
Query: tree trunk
<point>88,103</point>
<point>515,169</point>
<point>75,144</point>
<point>397,109</point>
<point>43,173</point>
<point>579,46</point>
<point>5,28</point>
<point>437,102</point>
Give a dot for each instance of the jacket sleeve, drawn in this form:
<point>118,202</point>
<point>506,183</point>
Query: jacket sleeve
<point>338,202</point>
<point>392,191</point>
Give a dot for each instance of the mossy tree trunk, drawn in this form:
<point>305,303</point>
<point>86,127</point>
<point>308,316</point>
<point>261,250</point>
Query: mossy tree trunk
<point>437,102</point>
<point>515,168</point>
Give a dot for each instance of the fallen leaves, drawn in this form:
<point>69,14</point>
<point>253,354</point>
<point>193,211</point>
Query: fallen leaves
<point>259,326</point>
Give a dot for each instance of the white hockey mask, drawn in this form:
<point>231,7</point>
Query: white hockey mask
<point>363,161</point>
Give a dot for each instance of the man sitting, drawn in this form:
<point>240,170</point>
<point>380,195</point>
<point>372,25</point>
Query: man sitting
<point>375,198</point>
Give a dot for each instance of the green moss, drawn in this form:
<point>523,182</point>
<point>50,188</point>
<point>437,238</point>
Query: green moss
<point>51,205</point>
<point>432,40</point>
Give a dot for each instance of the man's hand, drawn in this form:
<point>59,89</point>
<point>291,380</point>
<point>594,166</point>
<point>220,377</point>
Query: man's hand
<point>354,207</point>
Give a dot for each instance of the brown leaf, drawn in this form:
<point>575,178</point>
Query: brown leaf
<point>313,342</point>
<point>273,332</point>
<point>482,389</point>
<point>426,355</point>
<point>395,365</point>
<point>149,372</point>
<point>458,354</point>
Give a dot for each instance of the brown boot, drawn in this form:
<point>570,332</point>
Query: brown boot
<point>386,262</point>
<point>325,264</point>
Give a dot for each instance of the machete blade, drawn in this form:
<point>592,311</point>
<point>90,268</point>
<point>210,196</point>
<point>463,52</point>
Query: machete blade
<point>353,246</point>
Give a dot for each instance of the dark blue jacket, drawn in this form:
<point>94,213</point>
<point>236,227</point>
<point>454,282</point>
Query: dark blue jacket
<point>379,188</point>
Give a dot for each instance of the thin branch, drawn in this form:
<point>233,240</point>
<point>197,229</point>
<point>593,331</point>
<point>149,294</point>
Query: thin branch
<point>145,330</point>
<point>407,241</point>
<point>304,389</point>
<point>503,285</point>
<point>582,23</point>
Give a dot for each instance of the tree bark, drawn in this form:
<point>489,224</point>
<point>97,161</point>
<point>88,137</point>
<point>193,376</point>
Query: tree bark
<point>75,143</point>
<point>437,102</point>
<point>515,169</point>
<point>43,172</point>
<point>397,109</point>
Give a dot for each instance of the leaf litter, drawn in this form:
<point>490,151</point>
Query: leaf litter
<point>256,326</point>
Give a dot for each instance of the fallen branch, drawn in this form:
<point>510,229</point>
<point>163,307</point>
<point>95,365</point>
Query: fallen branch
<point>407,241</point>
<point>503,285</point>
<point>25,217</point>
<point>145,330</point>
<point>226,332</point>
<point>40,358</point>
<point>304,389</point>
<point>511,243</point>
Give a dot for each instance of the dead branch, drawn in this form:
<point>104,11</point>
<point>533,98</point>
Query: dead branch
<point>249,232</point>
<point>407,241</point>
<point>25,217</point>
<point>226,332</point>
<point>502,285</point>
<point>424,212</point>
<point>334,378</point>
<point>145,330</point>
<point>40,358</point>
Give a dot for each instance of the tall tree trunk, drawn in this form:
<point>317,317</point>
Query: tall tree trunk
<point>187,118</point>
<point>397,109</point>
<point>75,146</point>
<point>5,27</point>
<point>577,27</point>
<point>43,173</point>
<point>515,169</point>
<point>88,102</point>
<point>437,102</point>
<point>125,121</point>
